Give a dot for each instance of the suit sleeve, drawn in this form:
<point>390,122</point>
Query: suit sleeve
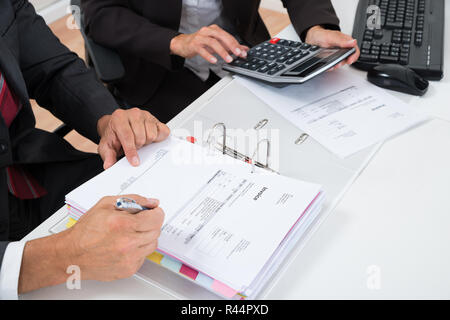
<point>113,24</point>
<point>57,78</point>
<point>3,245</point>
<point>305,14</point>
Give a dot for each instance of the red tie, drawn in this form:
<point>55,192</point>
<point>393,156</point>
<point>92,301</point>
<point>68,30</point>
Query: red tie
<point>20,183</point>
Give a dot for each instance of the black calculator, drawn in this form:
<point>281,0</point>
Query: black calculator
<point>284,61</point>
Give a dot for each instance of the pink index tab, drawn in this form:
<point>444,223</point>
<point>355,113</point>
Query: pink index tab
<point>223,289</point>
<point>188,272</point>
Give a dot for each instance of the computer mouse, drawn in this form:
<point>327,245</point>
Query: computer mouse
<point>398,78</point>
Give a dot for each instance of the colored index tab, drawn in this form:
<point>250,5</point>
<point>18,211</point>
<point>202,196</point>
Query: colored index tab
<point>171,263</point>
<point>70,223</point>
<point>156,257</point>
<point>274,40</point>
<point>223,289</point>
<point>188,272</point>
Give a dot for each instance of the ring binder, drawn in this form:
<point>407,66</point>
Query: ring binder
<point>238,155</point>
<point>301,139</point>
<point>261,124</point>
<point>256,154</point>
<point>224,131</point>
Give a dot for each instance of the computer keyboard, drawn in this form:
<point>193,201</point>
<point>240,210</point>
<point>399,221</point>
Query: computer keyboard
<point>285,61</point>
<point>411,34</point>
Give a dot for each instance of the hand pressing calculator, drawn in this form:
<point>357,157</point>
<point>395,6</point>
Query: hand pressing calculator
<point>285,61</point>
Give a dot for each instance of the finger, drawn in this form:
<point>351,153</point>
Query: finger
<point>107,202</point>
<point>340,65</point>
<point>339,39</point>
<point>202,52</point>
<point>217,47</point>
<point>145,238</point>
<point>151,129</point>
<point>125,134</point>
<point>140,132</point>
<point>108,154</point>
<point>143,201</point>
<point>149,220</point>
<point>230,43</point>
<point>148,249</point>
<point>354,57</point>
<point>163,131</point>
<point>244,50</point>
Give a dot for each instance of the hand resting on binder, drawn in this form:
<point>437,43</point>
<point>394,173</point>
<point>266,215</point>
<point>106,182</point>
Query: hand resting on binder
<point>126,131</point>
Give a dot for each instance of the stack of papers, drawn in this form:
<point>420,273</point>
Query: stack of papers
<point>340,110</point>
<point>226,228</point>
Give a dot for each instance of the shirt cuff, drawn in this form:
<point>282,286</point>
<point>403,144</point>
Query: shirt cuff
<point>10,270</point>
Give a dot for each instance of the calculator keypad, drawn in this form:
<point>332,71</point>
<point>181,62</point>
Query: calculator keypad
<point>274,56</point>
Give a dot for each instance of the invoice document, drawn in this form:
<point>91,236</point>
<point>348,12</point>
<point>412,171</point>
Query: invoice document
<point>221,218</point>
<point>340,110</point>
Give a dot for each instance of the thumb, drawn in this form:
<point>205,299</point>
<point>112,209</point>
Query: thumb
<point>341,40</point>
<point>109,156</point>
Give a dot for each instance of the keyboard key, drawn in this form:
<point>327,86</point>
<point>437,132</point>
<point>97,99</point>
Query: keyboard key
<point>368,58</point>
<point>388,59</point>
<point>378,34</point>
<point>273,71</point>
<point>263,69</point>
<point>394,25</point>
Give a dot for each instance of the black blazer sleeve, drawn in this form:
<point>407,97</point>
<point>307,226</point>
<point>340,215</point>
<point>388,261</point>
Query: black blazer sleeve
<point>3,245</point>
<point>305,14</point>
<point>57,78</point>
<point>113,24</point>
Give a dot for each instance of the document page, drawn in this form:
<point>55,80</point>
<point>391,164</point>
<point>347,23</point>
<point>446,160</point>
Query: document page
<point>343,112</point>
<point>232,227</point>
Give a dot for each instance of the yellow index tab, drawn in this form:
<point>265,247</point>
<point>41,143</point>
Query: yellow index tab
<point>156,257</point>
<point>70,223</point>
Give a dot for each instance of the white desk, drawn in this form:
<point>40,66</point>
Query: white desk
<point>395,217</point>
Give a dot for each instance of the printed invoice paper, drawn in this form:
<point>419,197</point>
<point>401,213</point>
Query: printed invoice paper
<point>340,110</point>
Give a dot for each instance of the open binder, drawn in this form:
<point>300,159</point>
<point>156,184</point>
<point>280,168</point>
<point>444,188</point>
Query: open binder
<point>300,157</point>
<point>227,235</point>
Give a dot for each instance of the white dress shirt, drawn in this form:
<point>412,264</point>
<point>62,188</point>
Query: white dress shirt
<point>196,14</point>
<point>10,270</point>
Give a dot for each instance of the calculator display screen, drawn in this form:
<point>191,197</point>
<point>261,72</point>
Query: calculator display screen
<point>322,58</point>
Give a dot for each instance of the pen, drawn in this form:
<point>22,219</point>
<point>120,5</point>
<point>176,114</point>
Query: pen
<point>129,205</point>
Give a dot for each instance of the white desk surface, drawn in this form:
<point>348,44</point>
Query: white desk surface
<point>393,222</point>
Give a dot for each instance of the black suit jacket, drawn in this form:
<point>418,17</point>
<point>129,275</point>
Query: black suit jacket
<point>37,66</point>
<point>141,31</point>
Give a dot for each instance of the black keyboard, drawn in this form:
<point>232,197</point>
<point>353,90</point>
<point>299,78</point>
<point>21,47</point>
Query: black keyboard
<point>411,33</point>
<point>285,61</point>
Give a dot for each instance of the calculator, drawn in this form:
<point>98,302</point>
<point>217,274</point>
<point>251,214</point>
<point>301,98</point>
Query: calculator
<point>281,61</point>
